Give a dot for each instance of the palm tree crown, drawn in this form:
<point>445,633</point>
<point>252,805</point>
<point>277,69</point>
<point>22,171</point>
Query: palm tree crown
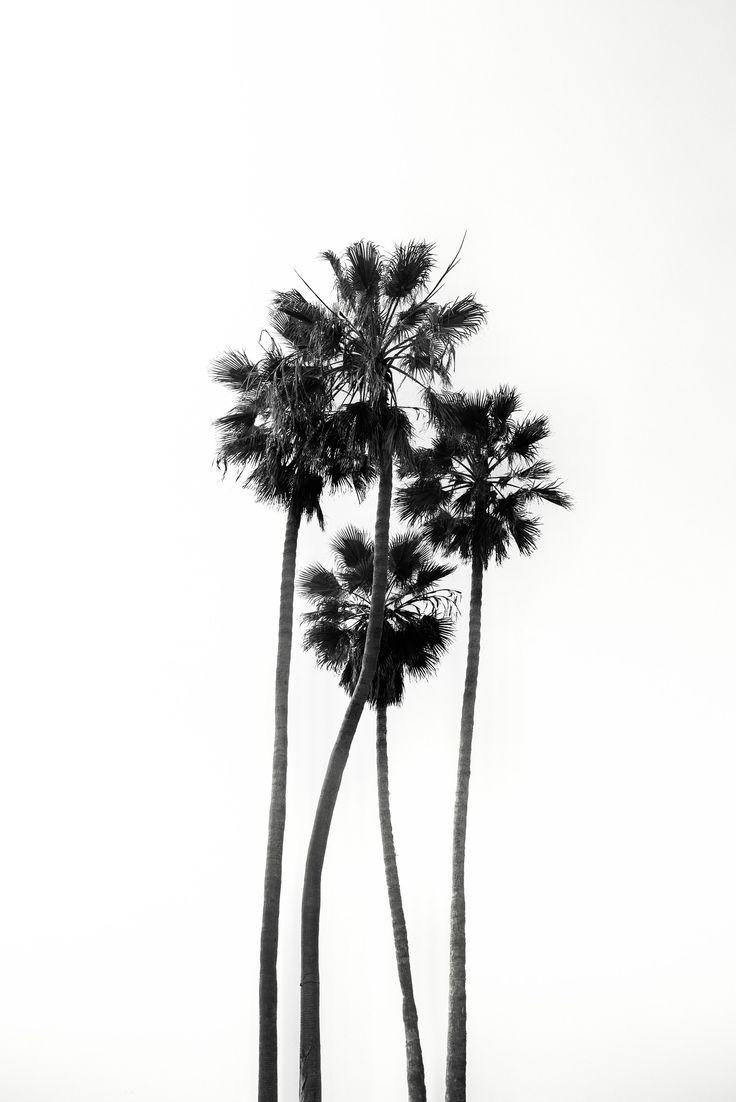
<point>474,487</point>
<point>384,326</point>
<point>276,440</point>
<point>418,615</point>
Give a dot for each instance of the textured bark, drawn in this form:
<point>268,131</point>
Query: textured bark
<point>414,1062</point>
<point>268,989</point>
<point>455,1076</point>
<point>310,1070</point>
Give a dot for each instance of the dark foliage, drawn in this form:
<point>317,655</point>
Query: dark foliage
<point>418,618</point>
<point>473,490</point>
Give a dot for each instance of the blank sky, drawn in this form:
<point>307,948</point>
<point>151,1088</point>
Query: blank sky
<point>170,164</point>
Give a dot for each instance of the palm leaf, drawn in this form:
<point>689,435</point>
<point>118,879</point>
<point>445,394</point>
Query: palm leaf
<point>363,268</point>
<point>504,403</point>
<point>460,319</point>
<point>234,370</point>
<point>317,583</point>
<point>421,499</point>
<point>408,269</point>
<point>527,435</point>
<point>405,556</point>
<point>352,547</point>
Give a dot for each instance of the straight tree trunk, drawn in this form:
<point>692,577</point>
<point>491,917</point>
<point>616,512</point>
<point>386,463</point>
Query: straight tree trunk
<point>414,1062</point>
<point>455,1077</point>
<point>310,1070</point>
<point>268,990</point>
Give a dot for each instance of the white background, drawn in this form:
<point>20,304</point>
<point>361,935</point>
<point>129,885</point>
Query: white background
<point>167,165</point>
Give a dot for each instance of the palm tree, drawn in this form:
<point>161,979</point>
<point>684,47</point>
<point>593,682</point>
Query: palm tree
<point>472,491</point>
<point>271,436</point>
<point>417,626</point>
<point>384,327</point>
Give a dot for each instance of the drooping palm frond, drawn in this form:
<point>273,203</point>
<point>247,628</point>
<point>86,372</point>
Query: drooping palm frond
<point>343,471</point>
<point>329,641</point>
<point>525,531</point>
<point>235,370</point>
<point>421,498</point>
<point>419,644</point>
<point>318,583</point>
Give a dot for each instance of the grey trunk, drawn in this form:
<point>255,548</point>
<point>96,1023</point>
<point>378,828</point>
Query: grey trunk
<point>268,991</point>
<point>310,1064</point>
<point>414,1062</point>
<point>455,1077</point>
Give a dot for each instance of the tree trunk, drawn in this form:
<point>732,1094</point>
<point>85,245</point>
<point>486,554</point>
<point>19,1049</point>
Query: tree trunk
<point>414,1062</point>
<point>455,1084</point>
<point>268,991</point>
<point>310,1071</point>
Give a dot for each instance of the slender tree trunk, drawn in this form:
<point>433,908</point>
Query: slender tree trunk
<point>456,1030</point>
<point>268,991</point>
<point>310,1072</point>
<point>414,1062</point>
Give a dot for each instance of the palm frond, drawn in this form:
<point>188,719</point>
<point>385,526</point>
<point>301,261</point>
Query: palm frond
<point>504,403</point>
<point>538,470</point>
<point>525,531</point>
<point>409,319</point>
<point>342,283</point>
<point>472,413</point>
<point>430,574</point>
<point>235,370</point>
<point>330,643</point>
<point>352,546</point>
<point>397,432</point>
<point>305,325</point>
<point>458,320</point>
<point>443,531</point>
<point>421,499</point>
<point>317,583</point>
<point>407,270</point>
<point>420,643</point>
<point>553,493</point>
<point>405,556</point>
<point>527,435</point>
<point>363,268</point>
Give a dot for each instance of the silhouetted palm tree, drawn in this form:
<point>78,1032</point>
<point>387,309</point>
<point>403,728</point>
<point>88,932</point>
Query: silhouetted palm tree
<point>383,327</point>
<point>472,492</point>
<point>272,436</point>
<point>417,626</point>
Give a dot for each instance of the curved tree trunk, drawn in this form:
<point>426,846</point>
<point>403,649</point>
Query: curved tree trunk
<point>268,991</point>
<point>456,1030</point>
<point>414,1062</point>
<point>310,1070</point>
